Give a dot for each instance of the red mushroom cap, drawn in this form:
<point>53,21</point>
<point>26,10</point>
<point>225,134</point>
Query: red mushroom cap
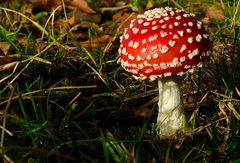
<point>162,42</point>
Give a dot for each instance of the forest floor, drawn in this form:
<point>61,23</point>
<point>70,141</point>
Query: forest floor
<point>65,98</point>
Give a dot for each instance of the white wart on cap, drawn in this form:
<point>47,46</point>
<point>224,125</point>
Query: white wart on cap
<point>162,42</point>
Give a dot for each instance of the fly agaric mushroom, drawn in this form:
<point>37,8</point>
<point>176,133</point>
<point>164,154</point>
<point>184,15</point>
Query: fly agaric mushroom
<point>164,43</point>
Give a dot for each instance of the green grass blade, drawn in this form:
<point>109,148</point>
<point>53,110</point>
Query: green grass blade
<point>6,38</point>
<point>33,103</point>
<point>139,143</point>
<point>32,21</point>
<point>105,148</point>
<point>116,145</point>
<point>108,149</point>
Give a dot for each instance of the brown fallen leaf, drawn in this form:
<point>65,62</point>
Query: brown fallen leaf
<point>4,46</point>
<point>190,99</point>
<point>95,41</point>
<point>125,19</point>
<point>49,4</point>
<point>144,112</point>
<point>4,59</point>
<point>79,17</point>
<point>82,5</point>
<point>215,13</point>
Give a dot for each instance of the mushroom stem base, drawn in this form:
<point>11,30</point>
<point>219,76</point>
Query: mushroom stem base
<point>170,115</point>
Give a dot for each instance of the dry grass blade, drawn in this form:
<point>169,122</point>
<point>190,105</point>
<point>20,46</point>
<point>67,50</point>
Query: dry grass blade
<point>51,16</point>
<point>17,75</point>
<point>200,128</point>
<point>3,127</point>
<point>32,21</point>
<point>234,21</point>
<point>230,106</point>
<point>7,131</point>
<point>97,73</point>
<point>7,159</point>
<point>8,65</point>
<point>197,108</point>
<point>104,9</point>
<point>238,92</point>
<point>64,97</point>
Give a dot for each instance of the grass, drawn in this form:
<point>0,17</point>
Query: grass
<point>62,102</point>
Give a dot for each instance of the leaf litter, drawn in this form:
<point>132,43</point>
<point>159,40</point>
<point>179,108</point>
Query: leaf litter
<point>98,28</point>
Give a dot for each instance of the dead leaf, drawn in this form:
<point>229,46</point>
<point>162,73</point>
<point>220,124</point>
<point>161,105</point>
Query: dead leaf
<point>5,46</point>
<point>80,36</point>
<point>4,59</point>
<point>190,99</point>
<point>206,21</point>
<point>215,13</point>
<point>95,41</point>
<point>79,17</point>
<point>49,4</point>
<point>144,112</point>
<point>125,19</point>
<point>82,5</point>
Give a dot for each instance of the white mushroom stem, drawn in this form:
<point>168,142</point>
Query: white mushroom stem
<point>171,112</point>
